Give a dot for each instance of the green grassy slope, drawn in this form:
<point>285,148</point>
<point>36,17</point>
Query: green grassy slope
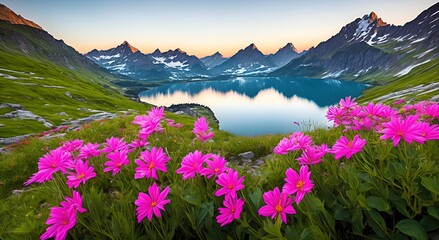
<point>422,75</point>
<point>39,75</point>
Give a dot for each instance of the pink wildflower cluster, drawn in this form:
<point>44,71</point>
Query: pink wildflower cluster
<point>311,153</point>
<point>150,123</point>
<point>201,129</point>
<point>280,203</point>
<point>411,122</point>
<point>213,165</point>
<point>63,218</point>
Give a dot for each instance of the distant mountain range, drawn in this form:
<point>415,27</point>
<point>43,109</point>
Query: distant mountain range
<point>177,64</point>
<point>366,49</point>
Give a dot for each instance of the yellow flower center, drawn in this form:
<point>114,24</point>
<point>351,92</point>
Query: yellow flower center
<point>53,165</point>
<point>151,166</point>
<point>80,176</point>
<point>279,208</point>
<point>153,204</point>
<point>119,165</point>
<point>230,186</point>
<point>300,184</point>
<point>216,170</point>
<point>233,210</point>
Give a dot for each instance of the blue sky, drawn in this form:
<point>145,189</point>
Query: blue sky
<point>204,27</point>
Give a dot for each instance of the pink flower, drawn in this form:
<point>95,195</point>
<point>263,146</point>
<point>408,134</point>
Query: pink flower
<point>72,145</point>
<point>89,150</point>
<point>286,145</point>
<point>118,159</point>
<point>429,132</point>
<point>138,143</point>
<point>201,127</point>
<point>150,162</point>
<point>192,164</point>
<point>81,174</point>
<point>348,102</point>
<point>277,204</point>
<point>172,123</point>
<point>398,102</point>
<point>50,163</point>
<point>313,155</point>
<point>150,204</point>
<point>397,128</point>
<point>113,144</point>
<point>75,202</point>
<point>300,184</point>
<point>157,112</point>
<point>303,141</point>
<point>215,167</point>
<point>230,183</point>
<point>336,114</point>
<point>232,210</point>
<point>343,147</point>
<point>432,110</point>
<point>63,218</point>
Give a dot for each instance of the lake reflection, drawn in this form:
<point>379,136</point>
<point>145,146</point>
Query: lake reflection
<point>254,106</point>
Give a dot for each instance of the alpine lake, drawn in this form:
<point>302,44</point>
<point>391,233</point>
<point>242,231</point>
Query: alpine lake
<point>252,106</point>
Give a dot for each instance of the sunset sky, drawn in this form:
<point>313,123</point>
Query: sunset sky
<point>202,27</point>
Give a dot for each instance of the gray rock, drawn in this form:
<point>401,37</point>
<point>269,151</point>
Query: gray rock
<point>59,135</point>
<point>46,104</point>
<point>24,114</point>
<point>11,105</point>
<point>246,155</point>
<point>435,98</point>
<point>2,125</point>
<point>94,117</point>
<point>68,94</point>
<point>62,114</point>
<point>88,110</point>
<point>11,140</point>
<point>18,192</point>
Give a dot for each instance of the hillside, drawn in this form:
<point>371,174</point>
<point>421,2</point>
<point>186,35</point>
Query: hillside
<point>51,80</point>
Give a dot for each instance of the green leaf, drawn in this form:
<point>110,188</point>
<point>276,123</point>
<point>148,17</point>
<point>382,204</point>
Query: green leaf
<point>377,223</point>
<point>431,184</point>
<point>429,224</point>
<point>412,228</point>
<point>378,203</point>
<point>432,210</point>
<point>306,234</point>
<point>342,214</point>
<point>256,196</point>
<point>273,230</point>
<point>193,199</point>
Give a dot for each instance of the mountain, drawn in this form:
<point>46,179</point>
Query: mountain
<point>368,49</point>
<point>247,61</point>
<point>213,60</point>
<point>179,64</point>
<point>284,55</point>
<point>48,80</point>
<point>129,61</point>
<point>8,15</point>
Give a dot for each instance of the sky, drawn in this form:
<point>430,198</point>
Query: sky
<point>202,27</point>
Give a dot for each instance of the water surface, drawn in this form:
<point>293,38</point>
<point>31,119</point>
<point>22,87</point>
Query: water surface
<point>259,105</point>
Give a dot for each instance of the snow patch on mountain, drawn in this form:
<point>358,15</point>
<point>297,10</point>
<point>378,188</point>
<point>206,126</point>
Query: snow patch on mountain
<point>107,57</point>
<point>409,68</point>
